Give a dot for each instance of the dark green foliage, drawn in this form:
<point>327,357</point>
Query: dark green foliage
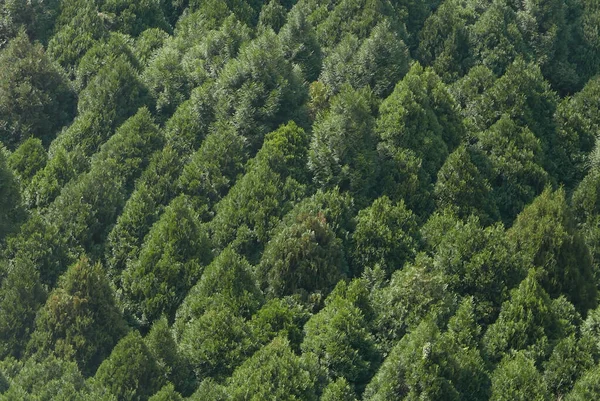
<point>21,294</point>
<point>133,17</point>
<point>586,388</point>
<point>515,160</point>
<point>516,378</point>
<point>228,281</point>
<point>528,321</point>
<point>36,99</point>
<point>544,234</point>
<point>130,373</point>
<point>289,207</point>
<point>418,125</point>
<point>427,364</point>
<point>462,187</point>
<point>303,257</point>
<point>153,191</point>
<point>282,317</point>
<point>339,337</point>
<point>51,379</point>
<point>299,42</point>
<point>378,62</point>
<point>339,390</point>
<point>343,147</point>
<point>272,372</point>
<point>274,178</point>
<point>175,369</point>
<point>79,321</point>
<point>260,90</point>
<point>216,342</point>
<point>76,34</point>
<point>413,293</point>
<point>475,260</point>
<point>27,160</point>
<point>213,169</point>
<point>10,196</point>
<point>36,18</point>
<point>171,260</point>
<point>386,236</point>
<point>167,393</point>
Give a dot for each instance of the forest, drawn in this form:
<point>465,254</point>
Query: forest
<point>335,200</point>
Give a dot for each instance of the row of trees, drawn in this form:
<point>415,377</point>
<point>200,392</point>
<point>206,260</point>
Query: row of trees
<point>307,200</point>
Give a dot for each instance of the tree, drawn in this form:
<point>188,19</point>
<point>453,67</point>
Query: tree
<point>254,205</point>
<point>229,281</point>
<point>528,321</point>
<point>272,372</point>
<point>515,162</point>
<point>418,125</point>
<point>413,293</point>
<point>303,257</point>
<point>76,33</point>
<point>21,295</point>
<point>586,388</point>
<point>133,17</point>
<point>516,378</point>
<point>27,160</point>
<point>338,335</point>
<point>153,191</point>
<point>10,197</point>
<point>172,258</point>
<point>36,98</point>
<point>80,321</point>
<point>462,187</point>
<point>216,342</point>
<point>130,373</point>
<point>36,18</point>
<point>385,236</point>
<point>167,393</point>
<point>299,42</point>
<point>260,90</point>
<point>544,234</point>
<point>51,378</point>
<point>343,148</point>
<point>174,367</point>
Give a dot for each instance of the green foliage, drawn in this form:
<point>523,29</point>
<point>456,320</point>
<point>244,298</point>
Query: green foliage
<point>386,236</point>
<point>303,257</point>
<point>167,393</point>
<point>413,293</point>
<point>272,372</point>
<point>79,321</point>
<point>273,179</point>
<point>216,342</point>
<point>339,390</point>
<point>21,294</point>
<point>462,187</point>
<point>51,379</point>
<point>475,260</point>
<point>517,378</point>
<point>545,236</point>
<point>172,258</point>
<point>343,147</point>
<point>130,373</point>
<point>10,196</point>
<point>339,337</point>
<point>133,17</point>
<point>418,125</point>
<point>527,322</point>
<point>27,160</point>
<point>228,281</point>
<point>36,99</point>
<point>175,369</point>
<point>260,90</point>
<point>515,162</point>
<point>586,388</point>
